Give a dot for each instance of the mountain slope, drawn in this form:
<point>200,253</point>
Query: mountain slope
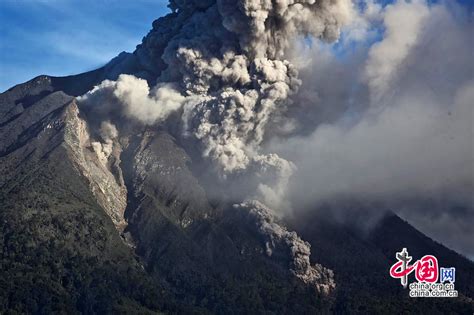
<point>361,260</point>
<point>134,231</point>
<point>59,249</point>
<point>73,220</point>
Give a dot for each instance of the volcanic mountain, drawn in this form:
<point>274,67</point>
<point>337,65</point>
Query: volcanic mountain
<point>119,216</point>
<point>136,233</point>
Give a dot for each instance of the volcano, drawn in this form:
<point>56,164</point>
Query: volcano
<point>138,234</point>
<point>107,208</point>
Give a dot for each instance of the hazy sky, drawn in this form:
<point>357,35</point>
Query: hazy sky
<point>61,37</point>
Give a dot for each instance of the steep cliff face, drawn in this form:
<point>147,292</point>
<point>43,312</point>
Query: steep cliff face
<point>101,170</point>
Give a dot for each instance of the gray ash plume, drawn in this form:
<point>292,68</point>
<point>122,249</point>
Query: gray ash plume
<point>222,65</point>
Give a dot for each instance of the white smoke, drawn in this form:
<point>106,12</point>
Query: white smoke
<point>108,132</point>
<point>135,99</point>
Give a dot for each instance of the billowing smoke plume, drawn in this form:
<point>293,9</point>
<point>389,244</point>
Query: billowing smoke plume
<point>136,99</point>
<point>223,62</point>
<point>234,60</point>
<point>392,121</point>
<point>221,65</point>
<point>108,133</point>
<point>277,236</point>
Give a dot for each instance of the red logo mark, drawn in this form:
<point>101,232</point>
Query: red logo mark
<point>426,269</point>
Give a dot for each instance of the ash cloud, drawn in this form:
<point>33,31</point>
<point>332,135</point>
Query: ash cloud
<point>295,125</point>
<point>222,65</point>
<point>230,55</point>
<point>277,235</point>
<point>392,122</point>
<point>108,133</point>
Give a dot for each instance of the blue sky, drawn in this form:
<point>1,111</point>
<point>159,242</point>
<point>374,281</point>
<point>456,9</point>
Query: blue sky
<point>61,37</point>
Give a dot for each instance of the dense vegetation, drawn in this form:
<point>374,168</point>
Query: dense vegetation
<point>59,252</point>
<point>361,259</point>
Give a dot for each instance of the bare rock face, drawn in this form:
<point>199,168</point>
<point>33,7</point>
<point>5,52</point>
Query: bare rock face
<point>100,166</point>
